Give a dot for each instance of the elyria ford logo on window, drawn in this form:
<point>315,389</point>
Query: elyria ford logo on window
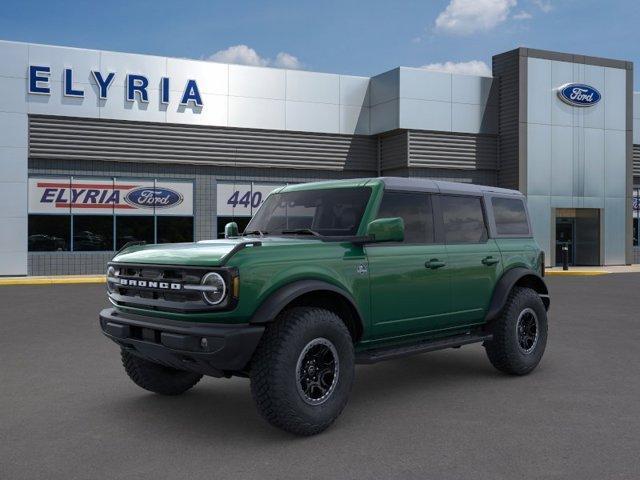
<point>578,94</point>
<point>145,197</point>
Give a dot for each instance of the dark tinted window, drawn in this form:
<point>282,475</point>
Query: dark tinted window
<point>175,229</point>
<point>92,233</point>
<point>49,233</point>
<point>415,210</point>
<point>134,228</point>
<point>510,215</point>
<point>330,212</point>
<point>463,219</point>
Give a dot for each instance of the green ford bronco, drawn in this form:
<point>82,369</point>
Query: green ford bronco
<point>327,275</point>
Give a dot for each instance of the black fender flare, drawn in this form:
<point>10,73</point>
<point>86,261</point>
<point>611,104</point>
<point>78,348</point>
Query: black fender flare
<point>518,275</point>
<point>278,300</point>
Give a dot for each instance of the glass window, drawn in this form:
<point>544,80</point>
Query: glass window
<point>635,232</point>
<point>92,233</point>
<point>510,215</point>
<point>49,233</point>
<point>133,229</point>
<point>330,212</point>
<point>175,229</point>
<point>415,209</point>
<point>463,219</point>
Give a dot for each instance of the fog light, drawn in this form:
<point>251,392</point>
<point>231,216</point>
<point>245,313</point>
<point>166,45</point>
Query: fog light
<point>216,289</point>
<point>204,343</point>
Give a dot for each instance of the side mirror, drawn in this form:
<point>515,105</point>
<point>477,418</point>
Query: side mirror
<point>231,230</point>
<point>386,230</point>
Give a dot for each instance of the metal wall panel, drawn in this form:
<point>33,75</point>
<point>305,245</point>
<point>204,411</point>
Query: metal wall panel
<point>506,71</point>
<point>636,160</point>
<point>394,150</point>
<point>114,140</point>
<point>452,150</point>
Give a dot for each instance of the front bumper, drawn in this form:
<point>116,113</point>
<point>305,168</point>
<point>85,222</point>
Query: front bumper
<point>209,349</point>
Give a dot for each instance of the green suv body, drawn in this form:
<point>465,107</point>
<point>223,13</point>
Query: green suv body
<point>327,275</point>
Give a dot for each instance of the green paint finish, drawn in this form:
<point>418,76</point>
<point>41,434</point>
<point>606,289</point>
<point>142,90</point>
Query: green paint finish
<point>402,291</point>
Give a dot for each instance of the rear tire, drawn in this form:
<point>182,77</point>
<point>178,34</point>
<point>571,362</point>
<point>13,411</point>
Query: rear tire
<point>157,378</point>
<point>302,371</point>
<point>520,334</point>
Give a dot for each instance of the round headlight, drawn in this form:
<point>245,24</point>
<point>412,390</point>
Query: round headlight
<point>111,272</point>
<point>216,288</point>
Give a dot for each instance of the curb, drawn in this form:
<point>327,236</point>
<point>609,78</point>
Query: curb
<point>575,273</point>
<point>57,280</point>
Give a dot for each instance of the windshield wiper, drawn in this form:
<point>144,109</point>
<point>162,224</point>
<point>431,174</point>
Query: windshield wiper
<point>303,231</point>
<point>255,232</point>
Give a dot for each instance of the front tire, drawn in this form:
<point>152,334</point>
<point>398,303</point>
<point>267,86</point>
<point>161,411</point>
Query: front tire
<point>302,371</point>
<point>520,334</point>
<point>158,378</point>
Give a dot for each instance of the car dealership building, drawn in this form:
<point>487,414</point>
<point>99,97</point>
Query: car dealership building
<point>100,148</point>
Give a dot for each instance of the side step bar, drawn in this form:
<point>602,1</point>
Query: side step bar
<point>387,353</point>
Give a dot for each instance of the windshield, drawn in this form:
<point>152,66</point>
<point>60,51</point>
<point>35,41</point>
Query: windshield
<point>328,212</point>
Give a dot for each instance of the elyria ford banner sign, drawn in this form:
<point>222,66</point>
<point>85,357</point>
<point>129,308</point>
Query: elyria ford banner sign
<point>136,86</point>
<point>578,94</point>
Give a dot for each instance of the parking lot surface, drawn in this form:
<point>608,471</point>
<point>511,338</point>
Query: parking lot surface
<point>68,411</point>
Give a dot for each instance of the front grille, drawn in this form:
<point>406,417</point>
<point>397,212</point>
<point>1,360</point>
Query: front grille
<point>157,287</point>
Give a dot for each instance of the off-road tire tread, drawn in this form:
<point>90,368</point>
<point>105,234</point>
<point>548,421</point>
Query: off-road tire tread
<point>501,350</point>
<point>267,390</point>
<point>157,378</point>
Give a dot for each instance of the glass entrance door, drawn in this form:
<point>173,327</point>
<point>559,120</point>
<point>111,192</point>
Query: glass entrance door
<point>565,227</point>
<point>579,230</point>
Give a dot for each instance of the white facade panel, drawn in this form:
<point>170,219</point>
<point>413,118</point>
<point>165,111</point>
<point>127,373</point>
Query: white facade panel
<point>213,78</point>
<point>539,154</point>
<point>385,116</point>
<point>257,82</point>
<point>614,231</point>
<point>559,169</point>
<point>354,91</point>
<point>313,87</point>
<point>593,116</point>
<point>425,115</point>
<point>423,84</point>
<point>385,87</point>
<point>312,117</point>
<point>256,113</point>
<point>615,163</point>
<point>116,106</point>
<point>539,91</point>
<point>123,64</point>
<point>64,105</point>
<point>58,58</point>
<point>616,100</point>
<point>13,93</point>
<point>13,198</point>
<point>467,118</point>
<point>354,120</point>
<point>13,130</point>
<point>215,112</point>
<point>14,59</point>
<point>470,89</point>
<point>594,162</point>
<point>13,164</point>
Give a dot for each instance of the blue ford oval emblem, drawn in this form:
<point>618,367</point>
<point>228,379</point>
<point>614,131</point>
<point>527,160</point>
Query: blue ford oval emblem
<point>149,197</point>
<point>579,94</point>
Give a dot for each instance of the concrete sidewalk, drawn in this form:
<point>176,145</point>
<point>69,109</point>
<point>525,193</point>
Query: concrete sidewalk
<point>52,280</point>
<point>588,271</point>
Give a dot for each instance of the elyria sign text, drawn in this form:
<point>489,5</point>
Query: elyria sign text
<point>136,86</point>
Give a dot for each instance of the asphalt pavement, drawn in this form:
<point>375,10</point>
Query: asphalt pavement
<point>68,411</point>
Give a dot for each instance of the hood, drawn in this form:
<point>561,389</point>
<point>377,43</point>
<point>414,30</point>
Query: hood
<point>203,253</point>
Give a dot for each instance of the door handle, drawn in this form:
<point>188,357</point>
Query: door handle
<point>434,263</point>
<point>488,261</point>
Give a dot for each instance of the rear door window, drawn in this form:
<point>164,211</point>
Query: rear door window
<point>416,211</point>
<point>510,216</point>
<point>463,219</point>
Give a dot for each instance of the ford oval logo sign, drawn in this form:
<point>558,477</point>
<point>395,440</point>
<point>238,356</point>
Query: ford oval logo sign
<point>579,94</point>
<point>149,197</point>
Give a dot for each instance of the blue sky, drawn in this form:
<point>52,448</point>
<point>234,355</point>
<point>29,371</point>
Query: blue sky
<point>362,38</point>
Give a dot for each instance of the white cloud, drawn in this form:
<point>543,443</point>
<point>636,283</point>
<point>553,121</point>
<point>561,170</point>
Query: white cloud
<point>545,6</point>
<point>522,15</point>
<point>472,67</point>
<point>464,17</point>
<point>286,60</point>
<point>245,55</point>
